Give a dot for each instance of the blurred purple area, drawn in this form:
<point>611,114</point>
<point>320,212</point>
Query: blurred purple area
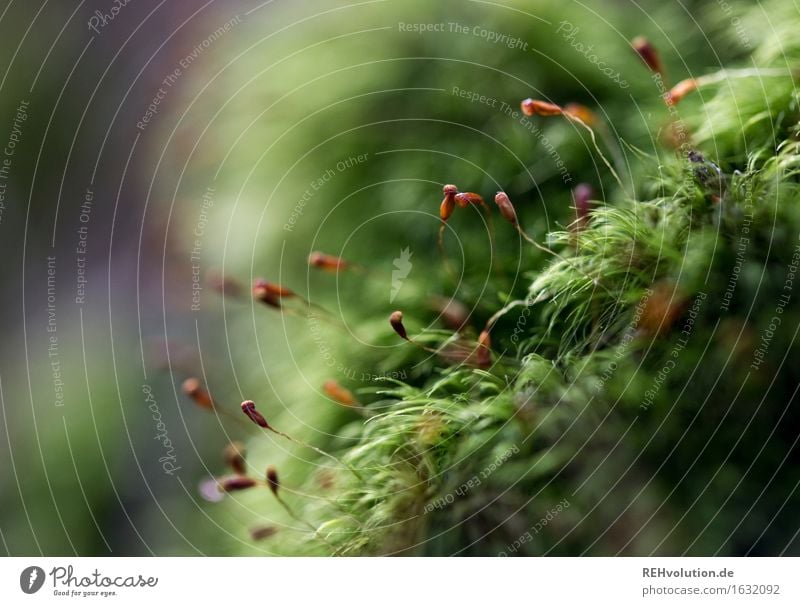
<point>84,260</point>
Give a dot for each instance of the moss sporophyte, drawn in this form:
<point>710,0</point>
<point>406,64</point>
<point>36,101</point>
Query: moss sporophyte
<point>565,365</point>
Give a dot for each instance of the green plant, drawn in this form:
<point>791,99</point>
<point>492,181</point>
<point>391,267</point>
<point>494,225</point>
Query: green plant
<point>625,383</point>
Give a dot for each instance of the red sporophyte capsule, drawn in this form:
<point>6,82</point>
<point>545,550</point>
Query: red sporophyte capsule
<point>234,457</point>
<point>581,112</point>
<point>272,480</point>
<point>236,483</point>
<point>483,356</point>
<point>338,393</point>
<point>262,532</point>
<point>582,195</point>
<point>325,479</point>
<point>454,314</point>
<point>261,292</point>
<point>465,198</point>
<point>534,107</point>
<point>680,90</point>
<point>194,389</point>
<point>528,107</point>
<point>326,262</point>
<point>223,285</point>
<point>273,289</point>
<point>648,54</point>
<point>661,307</point>
<point>446,208</point>
<point>506,208</point>
<point>249,409</point>
<point>396,320</point>
<point>448,203</point>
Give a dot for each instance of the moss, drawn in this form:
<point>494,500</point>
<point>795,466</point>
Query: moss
<point>640,398</point>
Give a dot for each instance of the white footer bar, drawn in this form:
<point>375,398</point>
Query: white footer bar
<point>401,581</point>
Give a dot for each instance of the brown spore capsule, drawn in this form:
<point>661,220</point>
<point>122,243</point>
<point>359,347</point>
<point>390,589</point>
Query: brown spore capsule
<point>446,207</point>
<point>506,208</point>
<point>582,196</point>
<point>465,198</point>
<point>193,388</point>
<point>234,454</point>
<point>274,289</point>
<point>339,394</point>
<point>223,285</point>
<point>249,409</point>
<point>680,90</point>
<point>536,107</point>
<point>234,483</point>
<point>454,314</point>
<point>326,262</point>
<point>580,112</point>
<point>272,479</point>
<point>648,54</point>
<point>261,292</point>
<point>483,356</point>
<point>259,533</point>
<point>396,320</point>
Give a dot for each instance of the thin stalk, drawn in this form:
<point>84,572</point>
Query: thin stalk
<point>545,249</point>
<point>317,450</point>
<point>597,147</point>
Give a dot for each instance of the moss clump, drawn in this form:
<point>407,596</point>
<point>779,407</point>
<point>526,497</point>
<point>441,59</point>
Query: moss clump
<point>640,398</point>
